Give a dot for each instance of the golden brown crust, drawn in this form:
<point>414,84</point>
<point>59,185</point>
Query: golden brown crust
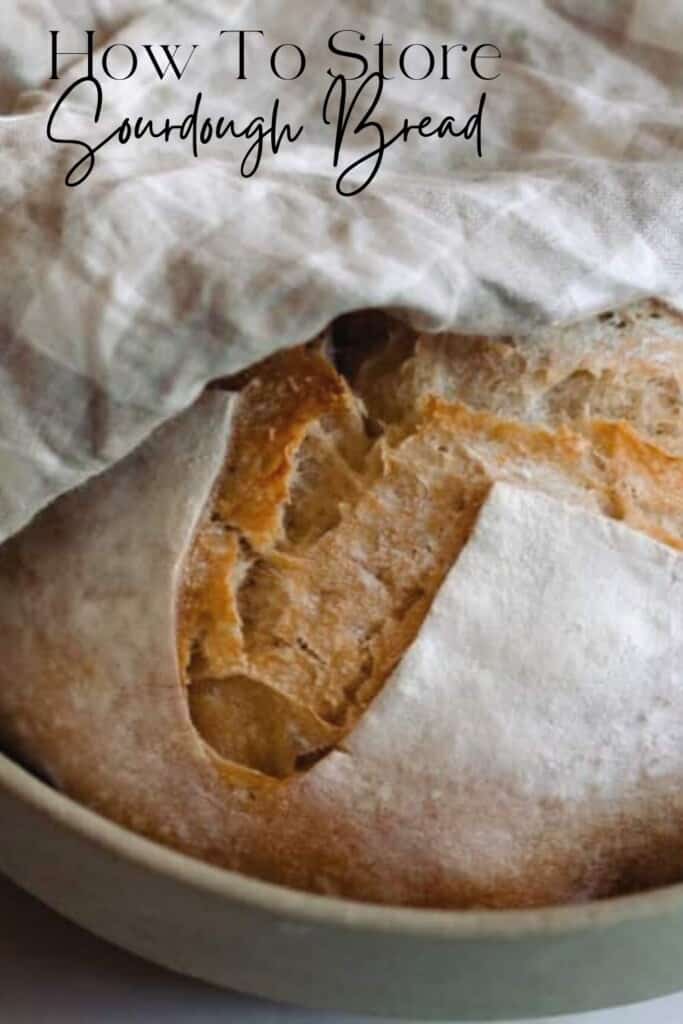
<point>280,404</point>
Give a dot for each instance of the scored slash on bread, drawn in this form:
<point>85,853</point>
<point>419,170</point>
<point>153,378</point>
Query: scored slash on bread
<point>339,542</point>
<point>200,642</point>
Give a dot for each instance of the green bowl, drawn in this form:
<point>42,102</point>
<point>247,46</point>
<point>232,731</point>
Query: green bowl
<point>326,953</point>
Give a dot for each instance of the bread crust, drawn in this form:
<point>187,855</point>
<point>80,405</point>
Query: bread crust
<point>201,643</point>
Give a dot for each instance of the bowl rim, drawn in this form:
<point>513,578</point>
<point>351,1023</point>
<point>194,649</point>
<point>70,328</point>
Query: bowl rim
<point>311,909</point>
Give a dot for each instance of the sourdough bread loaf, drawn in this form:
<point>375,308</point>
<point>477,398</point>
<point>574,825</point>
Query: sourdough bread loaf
<point>391,616</point>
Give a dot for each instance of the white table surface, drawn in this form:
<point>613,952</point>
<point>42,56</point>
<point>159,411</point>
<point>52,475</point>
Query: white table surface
<point>51,972</point>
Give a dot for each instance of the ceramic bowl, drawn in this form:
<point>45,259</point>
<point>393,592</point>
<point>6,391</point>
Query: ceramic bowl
<point>325,953</point>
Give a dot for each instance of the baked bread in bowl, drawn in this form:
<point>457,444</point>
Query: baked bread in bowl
<point>389,616</point>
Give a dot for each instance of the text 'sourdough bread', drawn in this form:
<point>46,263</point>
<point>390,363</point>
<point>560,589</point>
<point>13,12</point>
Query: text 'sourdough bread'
<point>410,633</point>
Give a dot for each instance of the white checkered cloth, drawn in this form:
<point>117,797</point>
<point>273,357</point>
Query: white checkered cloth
<point>120,299</point>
